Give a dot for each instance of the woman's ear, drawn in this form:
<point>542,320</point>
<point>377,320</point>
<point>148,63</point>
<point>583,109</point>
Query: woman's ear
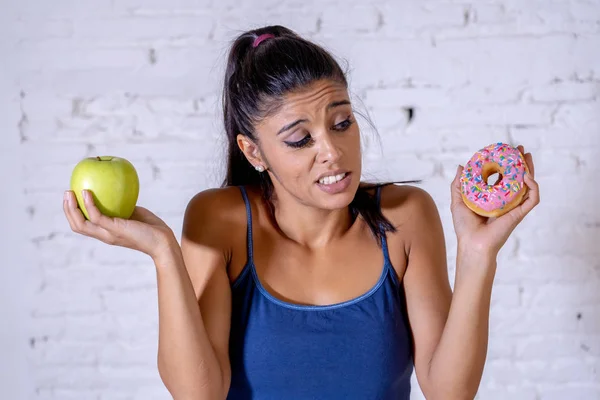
<point>251,151</point>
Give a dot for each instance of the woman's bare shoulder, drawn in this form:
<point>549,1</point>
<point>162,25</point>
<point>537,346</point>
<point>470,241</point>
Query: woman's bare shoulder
<point>215,212</point>
<point>403,203</point>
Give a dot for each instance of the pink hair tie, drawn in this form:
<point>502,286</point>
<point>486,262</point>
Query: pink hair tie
<point>262,38</point>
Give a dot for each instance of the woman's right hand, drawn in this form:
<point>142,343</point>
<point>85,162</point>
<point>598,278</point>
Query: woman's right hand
<point>143,231</point>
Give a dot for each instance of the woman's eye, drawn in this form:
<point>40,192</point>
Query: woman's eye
<point>342,126</point>
<point>306,140</point>
<point>300,143</point>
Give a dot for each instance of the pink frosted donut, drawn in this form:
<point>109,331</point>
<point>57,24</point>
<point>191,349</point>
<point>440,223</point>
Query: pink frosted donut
<point>507,193</point>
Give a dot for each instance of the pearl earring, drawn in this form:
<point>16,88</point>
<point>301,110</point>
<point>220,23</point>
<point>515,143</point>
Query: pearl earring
<point>259,168</point>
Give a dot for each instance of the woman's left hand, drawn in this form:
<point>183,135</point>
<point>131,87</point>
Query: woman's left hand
<point>488,235</point>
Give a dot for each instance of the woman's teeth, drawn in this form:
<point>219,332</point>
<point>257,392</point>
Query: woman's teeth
<point>328,180</point>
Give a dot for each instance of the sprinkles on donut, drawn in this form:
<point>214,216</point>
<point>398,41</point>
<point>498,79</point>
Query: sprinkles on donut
<point>494,200</point>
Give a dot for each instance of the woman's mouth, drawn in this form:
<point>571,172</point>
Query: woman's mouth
<point>328,180</point>
<point>334,184</point>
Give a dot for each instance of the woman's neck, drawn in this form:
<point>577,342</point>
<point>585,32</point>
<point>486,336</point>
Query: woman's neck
<point>308,226</point>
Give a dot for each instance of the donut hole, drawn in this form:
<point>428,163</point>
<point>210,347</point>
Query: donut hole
<point>494,179</point>
<point>491,173</point>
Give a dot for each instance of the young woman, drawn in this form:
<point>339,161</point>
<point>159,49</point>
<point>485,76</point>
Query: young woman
<point>297,281</point>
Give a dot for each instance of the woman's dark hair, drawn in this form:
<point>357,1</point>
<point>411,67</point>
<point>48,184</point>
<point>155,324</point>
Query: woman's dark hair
<point>256,79</point>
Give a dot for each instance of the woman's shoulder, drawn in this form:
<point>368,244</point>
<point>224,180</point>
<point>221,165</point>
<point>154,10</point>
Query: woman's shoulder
<point>402,203</point>
<point>217,198</point>
<point>215,210</point>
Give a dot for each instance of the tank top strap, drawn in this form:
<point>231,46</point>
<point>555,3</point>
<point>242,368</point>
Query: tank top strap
<point>249,243</point>
<point>384,244</point>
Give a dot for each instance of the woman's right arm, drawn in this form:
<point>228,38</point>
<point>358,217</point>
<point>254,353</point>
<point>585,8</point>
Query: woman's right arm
<point>195,306</point>
<point>194,297</point>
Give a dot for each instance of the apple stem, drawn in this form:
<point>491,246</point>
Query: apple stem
<point>99,159</point>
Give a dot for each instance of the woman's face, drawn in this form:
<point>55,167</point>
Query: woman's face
<point>311,146</point>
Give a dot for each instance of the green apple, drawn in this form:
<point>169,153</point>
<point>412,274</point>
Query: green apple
<point>113,182</point>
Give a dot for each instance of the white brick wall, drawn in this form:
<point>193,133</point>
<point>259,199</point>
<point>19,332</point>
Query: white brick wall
<point>140,78</point>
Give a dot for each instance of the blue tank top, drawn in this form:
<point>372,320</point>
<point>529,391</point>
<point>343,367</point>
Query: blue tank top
<point>357,349</point>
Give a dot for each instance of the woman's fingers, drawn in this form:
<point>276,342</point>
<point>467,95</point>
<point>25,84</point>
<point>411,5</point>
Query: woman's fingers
<point>528,159</point>
<point>144,231</point>
<point>73,213</point>
<point>515,216</point>
<point>95,215</point>
<point>79,224</point>
<point>144,215</point>
<point>533,194</point>
<point>455,187</point>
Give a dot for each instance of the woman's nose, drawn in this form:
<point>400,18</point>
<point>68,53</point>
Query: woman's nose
<point>329,150</point>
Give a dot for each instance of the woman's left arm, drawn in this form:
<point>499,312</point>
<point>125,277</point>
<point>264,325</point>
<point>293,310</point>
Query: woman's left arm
<point>451,330</point>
